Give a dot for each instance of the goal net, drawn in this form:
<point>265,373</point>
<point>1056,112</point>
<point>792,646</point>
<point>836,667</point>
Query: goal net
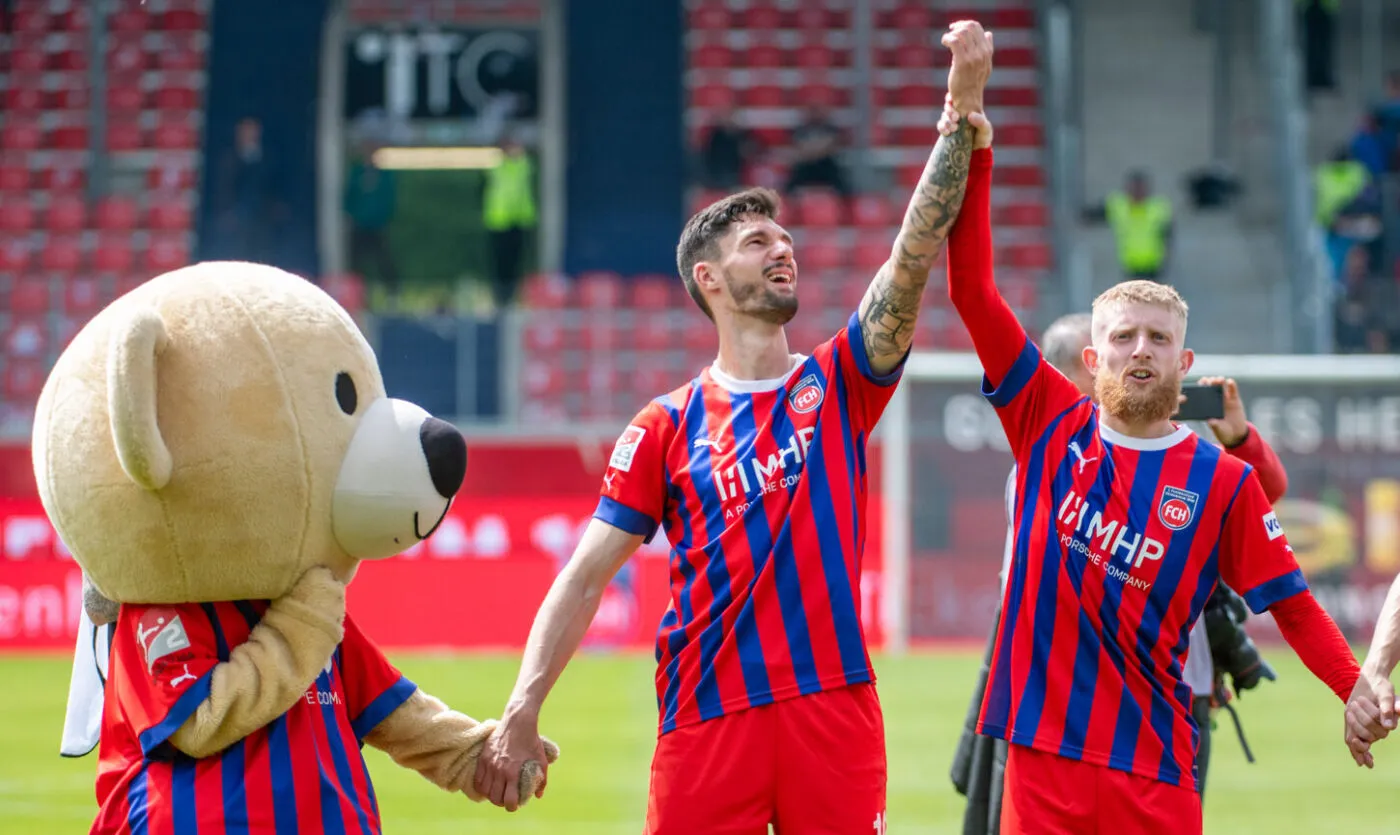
<point>1334,421</point>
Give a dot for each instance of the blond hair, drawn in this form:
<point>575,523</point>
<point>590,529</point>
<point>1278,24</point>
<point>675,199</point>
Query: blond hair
<point>1142,291</point>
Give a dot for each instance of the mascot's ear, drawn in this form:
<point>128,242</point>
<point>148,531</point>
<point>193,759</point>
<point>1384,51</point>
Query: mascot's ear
<point>131,397</point>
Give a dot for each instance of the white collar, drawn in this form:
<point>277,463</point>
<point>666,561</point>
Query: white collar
<point>736,386</point>
<point>1116,438</point>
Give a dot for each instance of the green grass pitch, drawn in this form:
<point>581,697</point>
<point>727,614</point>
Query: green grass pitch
<point>603,716</point>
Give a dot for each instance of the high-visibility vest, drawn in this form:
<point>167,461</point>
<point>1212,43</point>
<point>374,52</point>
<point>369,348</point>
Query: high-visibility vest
<point>1141,230</point>
<point>510,197</point>
<point>1335,185</point>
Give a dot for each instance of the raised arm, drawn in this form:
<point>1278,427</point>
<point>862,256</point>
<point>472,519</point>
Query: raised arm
<point>563,619</point>
<point>891,305</point>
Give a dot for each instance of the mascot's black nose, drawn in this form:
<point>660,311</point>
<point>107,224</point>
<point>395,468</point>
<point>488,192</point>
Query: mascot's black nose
<point>446,452</point>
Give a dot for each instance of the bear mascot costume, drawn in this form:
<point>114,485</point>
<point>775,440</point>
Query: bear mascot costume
<point>217,451</point>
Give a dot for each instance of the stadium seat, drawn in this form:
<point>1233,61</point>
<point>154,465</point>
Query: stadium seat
<point>822,94</point>
<point>1023,214</point>
<point>125,99</point>
<point>761,17</point>
<point>26,337</point>
<point>182,20</point>
<point>69,60</point>
<point>176,98</point>
<point>113,255</point>
<point>1021,176</point>
<point>62,255</point>
<point>603,333</point>
<point>14,177</point>
<point>167,253</point>
<point>18,135</point>
<point>872,251</point>
<point>170,176</point>
<point>83,297</point>
<point>116,214</point>
<point>545,334</point>
<point>28,60</point>
<point>913,17</point>
<point>29,21</point>
<point>765,56</point>
<point>872,211</point>
<point>125,135</point>
<point>24,100</point>
<point>14,257</point>
<point>63,176</point>
<point>764,96</point>
<point>175,135</point>
<point>819,208</point>
<point>654,293</point>
<point>653,331</point>
<point>66,214</point>
<point>709,16</point>
<point>818,253</point>
<point>171,213</point>
<point>27,297</point>
<point>129,19</point>
<point>24,379</point>
<point>1010,97</point>
<point>651,378</point>
<point>69,138</point>
<point>599,289</point>
<point>711,57</point>
<point>547,290</point>
<point>16,216</point>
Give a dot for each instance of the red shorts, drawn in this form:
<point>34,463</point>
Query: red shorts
<point>813,764</point>
<point>1046,794</point>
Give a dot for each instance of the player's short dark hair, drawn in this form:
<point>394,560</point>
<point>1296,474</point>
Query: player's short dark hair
<point>701,236</point>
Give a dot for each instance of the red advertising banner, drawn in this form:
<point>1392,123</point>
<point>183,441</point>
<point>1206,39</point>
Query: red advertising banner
<point>476,583</point>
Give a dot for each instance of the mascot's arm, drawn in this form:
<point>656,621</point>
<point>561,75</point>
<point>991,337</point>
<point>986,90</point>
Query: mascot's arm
<point>265,675</point>
<point>443,745</point>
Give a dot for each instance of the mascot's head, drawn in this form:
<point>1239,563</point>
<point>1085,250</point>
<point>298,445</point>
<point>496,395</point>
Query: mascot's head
<point>224,427</point>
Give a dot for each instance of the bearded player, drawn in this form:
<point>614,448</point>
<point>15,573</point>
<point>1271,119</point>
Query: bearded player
<point>1124,523</point>
<point>756,469</point>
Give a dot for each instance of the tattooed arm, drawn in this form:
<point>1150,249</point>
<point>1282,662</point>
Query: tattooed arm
<point>891,305</point>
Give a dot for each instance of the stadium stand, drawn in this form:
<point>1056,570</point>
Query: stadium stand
<point>626,340</point>
<point>64,254</point>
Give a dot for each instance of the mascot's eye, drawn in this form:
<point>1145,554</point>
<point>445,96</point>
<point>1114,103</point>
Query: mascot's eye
<point>345,393</point>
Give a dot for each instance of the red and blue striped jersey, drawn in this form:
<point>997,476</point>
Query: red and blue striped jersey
<point>301,773</point>
<point>761,488</point>
<point>1118,543</point>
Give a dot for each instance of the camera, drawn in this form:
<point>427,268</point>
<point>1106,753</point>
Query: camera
<point>1231,648</point>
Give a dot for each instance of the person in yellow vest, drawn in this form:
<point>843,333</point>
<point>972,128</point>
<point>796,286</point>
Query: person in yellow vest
<point>1142,226</point>
<point>508,213</point>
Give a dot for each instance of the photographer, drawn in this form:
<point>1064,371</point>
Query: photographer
<point>979,762</point>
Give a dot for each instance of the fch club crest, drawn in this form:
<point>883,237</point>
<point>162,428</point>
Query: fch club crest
<point>1178,507</point>
<point>806,395</point>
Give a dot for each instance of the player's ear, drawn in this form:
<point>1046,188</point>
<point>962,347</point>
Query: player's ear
<point>1091,359</point>
<point>1188,358</point>
<point>706,275</point>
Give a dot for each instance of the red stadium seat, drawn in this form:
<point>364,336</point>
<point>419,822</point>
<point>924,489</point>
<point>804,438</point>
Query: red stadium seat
<point>713,96</point>
<point>1020,135</point>
<point>14,257</point>
<point>125,99</point>
<point>116,214</point>
<point>70,60</point>
<point>1023,214</point>
<point>761,17</point>
<point>600,289</point>
<point>653,332</point>
<point>1010,97</point>
<point>27,337</point>
<point>652,378</point>
<point>919,95</point>
<point>545,334</point>
<point>819,208</point>
<point>710,16</point>
<point>28,297</point>
<point>654,293</point>
<point>603,332</point>
<point>62,255</point>
<point>66,214</point>
<point>823,94</point>
<point>24,379</point>
<point>177,57</point>
<point>14,177</point>
<point>547,290</point>
<point>83,297</point>
<point>29,21</point>
<point>1020,175</point>
<point>63,176</point>
<point>818,56</point>
<point>125,136</point>
<point>543,378</point>
<point>113,255</point>
<point>764,95</point>
<point>21,136</point>
<point>176,98</point>
<point>873,211</point>
<point>764,56</point>
<point>872,251</point>
<point>170,176</point>
<point>16,216</point>
<point>127,58</point>
<point>69,138</point>
<point>167,253</point>
<point>129,19</point>
<point>77,20</point>
<point>1028,256</point>
<point>182,20</point>
<point>711,57</point>
<point>913,17</point>
<point>171,213</point>
<point>818,255</point>
<point>24,99</point>
<point>28,60</point>
<point>175,135</point>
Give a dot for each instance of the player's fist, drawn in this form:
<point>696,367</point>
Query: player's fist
<point>972,64</point>
<point>514,764</point>
<point>981,125</point>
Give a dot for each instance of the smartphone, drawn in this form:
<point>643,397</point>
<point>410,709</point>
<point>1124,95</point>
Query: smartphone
<point>1202,402</point>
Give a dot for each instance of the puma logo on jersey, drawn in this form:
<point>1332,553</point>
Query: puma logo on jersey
<point>186,676</point>
<point>1078,452</point>
<point>699,442</point>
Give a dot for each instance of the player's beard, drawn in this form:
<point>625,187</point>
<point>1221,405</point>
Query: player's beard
<point>1137,404</point>
<point>761,301</point>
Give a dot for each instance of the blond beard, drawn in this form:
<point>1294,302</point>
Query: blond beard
<point>1156,402</point>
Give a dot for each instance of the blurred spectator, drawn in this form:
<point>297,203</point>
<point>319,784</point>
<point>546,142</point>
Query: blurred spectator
<point>727,152</point>
<point>1345,206</point>
<point>371,198</point>
<point>508,212</point>
<point>1368,308</point>
<point>1369,147</point>
<point>1142,226</point>
<point>1317,28</point>
<point>816,144</point>
<point>1388,118</point>
<point>246,202</point>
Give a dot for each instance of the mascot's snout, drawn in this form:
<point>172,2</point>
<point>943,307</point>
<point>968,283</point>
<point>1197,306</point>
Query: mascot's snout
<point>400,473</point>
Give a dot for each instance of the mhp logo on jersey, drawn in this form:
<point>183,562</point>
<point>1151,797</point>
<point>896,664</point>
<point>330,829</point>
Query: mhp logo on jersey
<point>807,395</point>
<point>1178,507</point>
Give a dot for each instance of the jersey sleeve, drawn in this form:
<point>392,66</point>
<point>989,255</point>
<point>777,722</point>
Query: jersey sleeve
<point>869,393</point>
<point>633,495</point>
<point>1255,557</point>
<point>168,654</point>
<point>1029,398</point>
<point>374,688</point>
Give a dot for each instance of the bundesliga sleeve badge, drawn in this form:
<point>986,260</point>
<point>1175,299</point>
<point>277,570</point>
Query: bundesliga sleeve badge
<point>161,634</point>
